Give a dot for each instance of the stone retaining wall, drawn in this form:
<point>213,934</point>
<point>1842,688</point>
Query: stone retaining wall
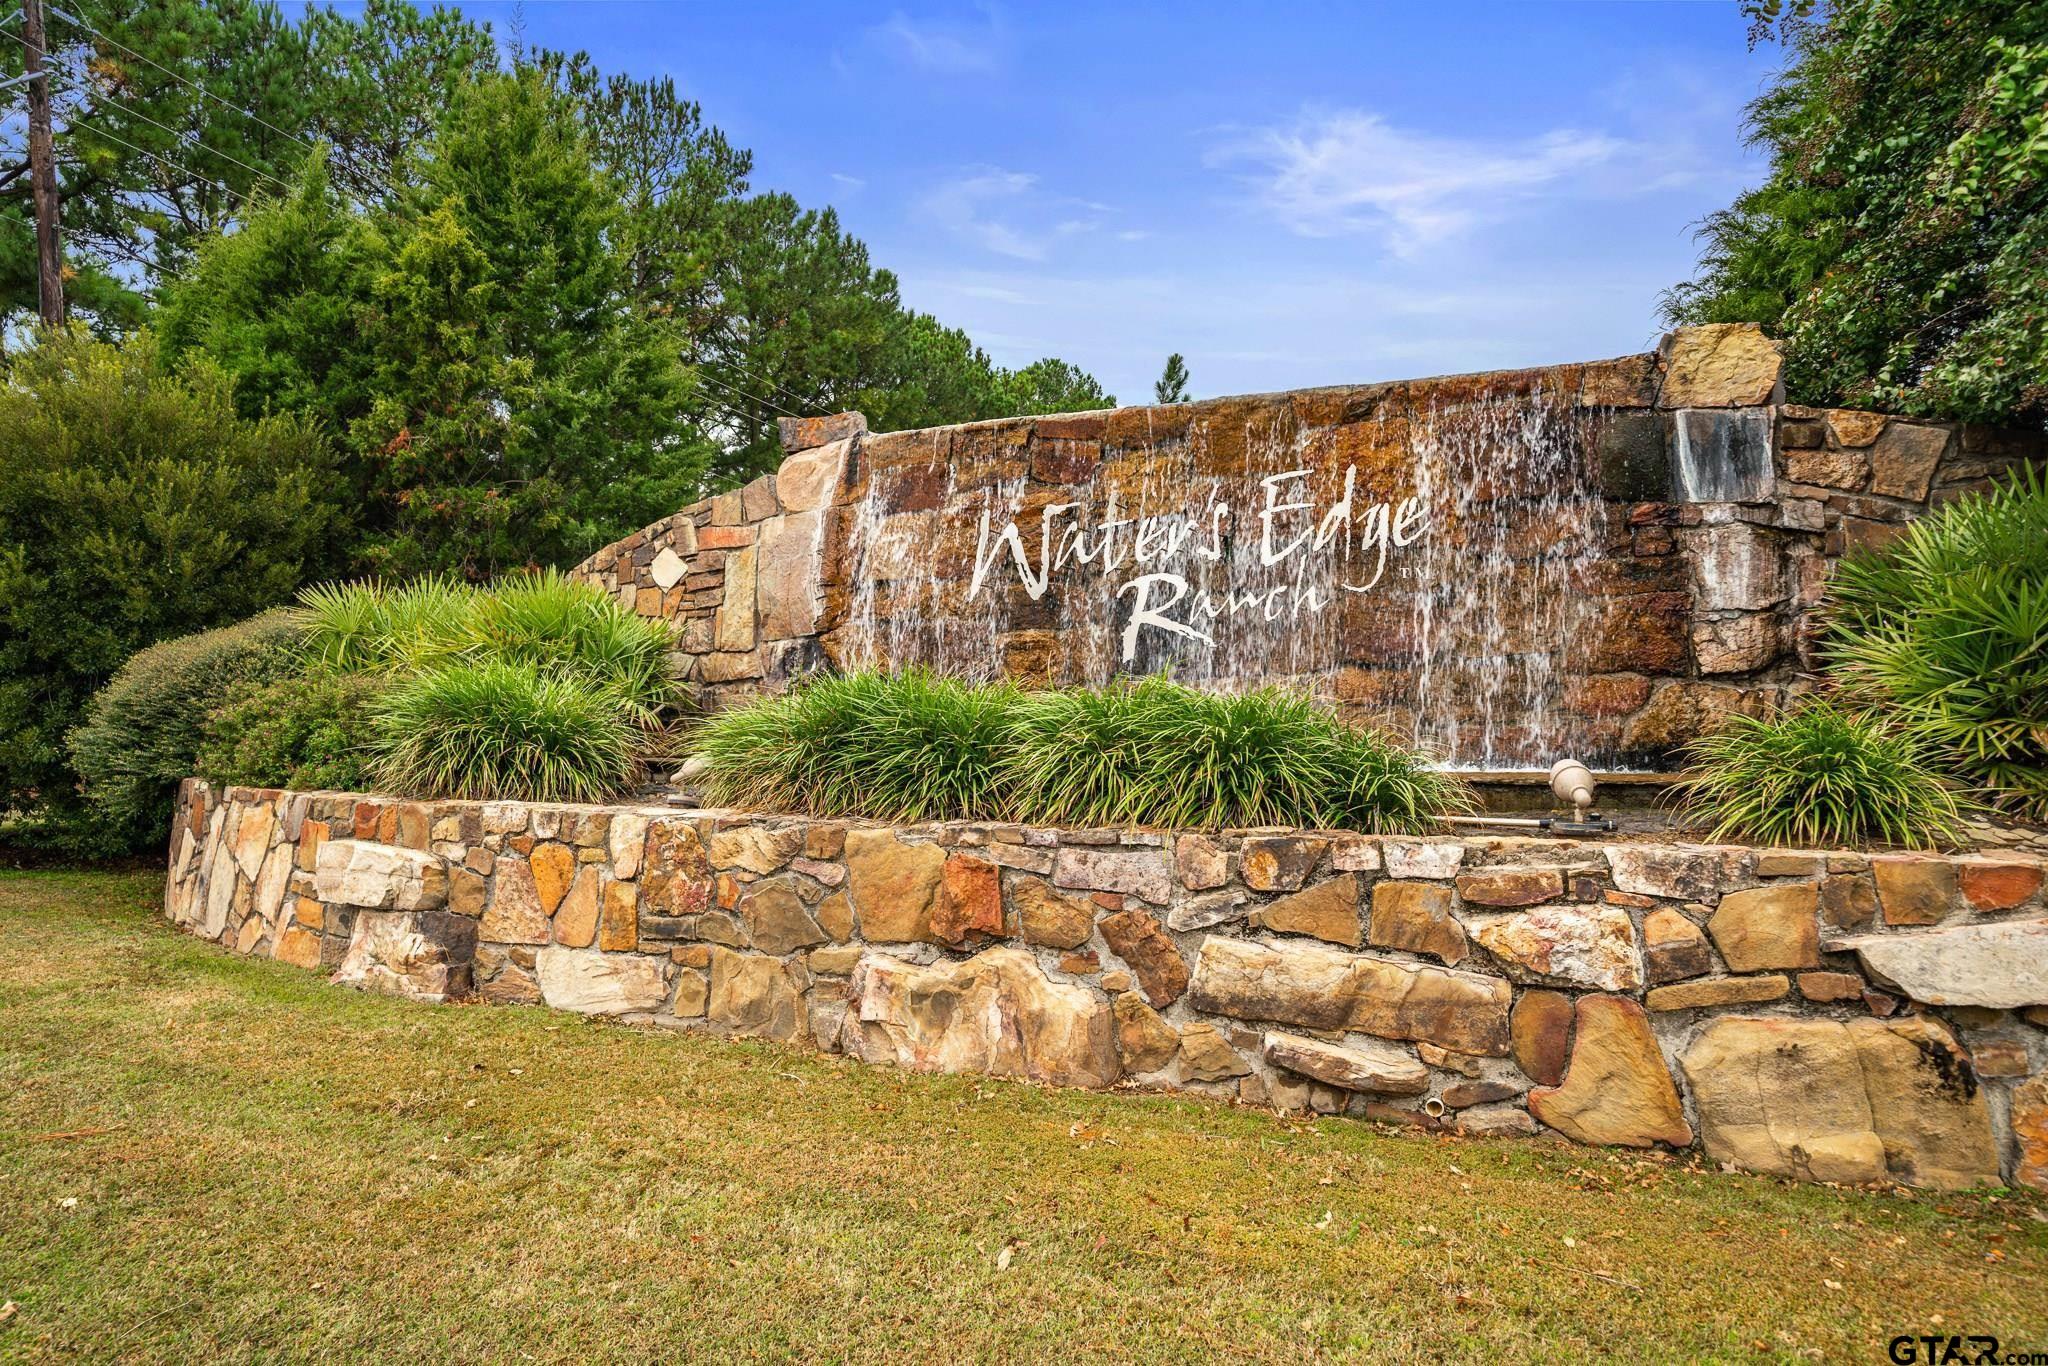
<point>1823,1015</point>
<point>1617,552</point>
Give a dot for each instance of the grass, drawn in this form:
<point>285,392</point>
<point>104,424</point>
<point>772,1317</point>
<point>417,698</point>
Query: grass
<point>265,1166</point>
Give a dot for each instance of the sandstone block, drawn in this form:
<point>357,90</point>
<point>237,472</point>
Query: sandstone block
<point>593,983</point>
<point>1279,864</point>
<point>787,574</point>
<point>1511,886</point>
<point>1903,459</point>
<point>1768,927</point>
<point>675,874</point>
<point>1914,890</point>
<point>1205,1056</point>
<point>626,842</point>
<point>421,955</point>
<point>1709,992</point>
<point>996,1012</point>
<point>1145,1041</point>
<point>1201,862</point>
<point>1317,988</point>
<point>1204,912</point>
<point>1830,986</point>
<point>1138,872</point>
<point>1135,937</point>
<point>775,919</point>
<point>1050,918</point>
<point>575,921</point>
<point>553,867</point>
<point>754,995</point>
<point>1380,1068</point>
<point>1680,873</point>
<point>1673,947</point>
<point>892,885</point>
<point>1430,859</point>
<point>969,902</point>
<point>1995,885</point>
<point>1583,946</point>
<point>1719,365</point>
<point>2002,966</point>
<point>1328,910</point>
<point>1417,917</point>
<point>379,877</point>
<point>810,480</point>
<point>1616,1089</point>
<point>2030,1132</point>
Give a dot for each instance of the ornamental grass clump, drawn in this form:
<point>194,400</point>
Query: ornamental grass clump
<point>503,729</point>
<point>1947,628</point>
<point>1385,788</point>
<point>1818,775</point>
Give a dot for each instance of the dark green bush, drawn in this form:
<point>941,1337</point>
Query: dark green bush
<point>1150,752</point>
<point>1818,775</point>
<point>143,732</point>
<point>503,729</point>
<point>299,732</point>
<point>1947,629</point>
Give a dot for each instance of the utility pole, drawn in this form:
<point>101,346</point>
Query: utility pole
<point>42,168</point>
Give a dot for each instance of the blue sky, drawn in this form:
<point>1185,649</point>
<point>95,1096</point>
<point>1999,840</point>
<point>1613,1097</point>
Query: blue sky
<point>1288,195</point>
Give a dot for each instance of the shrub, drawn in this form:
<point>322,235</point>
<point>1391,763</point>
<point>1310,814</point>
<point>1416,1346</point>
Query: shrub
<point>144,730</point>
<point>1817,775</point>
<point>1150,752</point>
<point>299,732</point>
<point>1949,627</point>
<point>136,505</point>
<point>503,729</point>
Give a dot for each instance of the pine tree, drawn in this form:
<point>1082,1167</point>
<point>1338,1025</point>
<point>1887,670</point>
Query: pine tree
<point>1172,384</point>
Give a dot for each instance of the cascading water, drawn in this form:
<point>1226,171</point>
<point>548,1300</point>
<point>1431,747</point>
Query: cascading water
<point>1428,563</point>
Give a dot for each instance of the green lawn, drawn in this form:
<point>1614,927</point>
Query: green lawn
<point>204,1157</point>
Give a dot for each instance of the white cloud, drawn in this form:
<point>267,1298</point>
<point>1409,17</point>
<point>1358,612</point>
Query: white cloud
<point>1352,172</point>
<point>850,183</point>
<point>998,211</point>
<point>942,48</point>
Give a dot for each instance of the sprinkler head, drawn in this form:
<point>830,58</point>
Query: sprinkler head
<point>1572,782</point>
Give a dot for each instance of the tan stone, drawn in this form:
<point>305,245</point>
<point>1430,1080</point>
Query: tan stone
<point>1680,873</point>
<point>1138,872</point>
<point>1136,937</point>
<point>1999,1058</point>
<point>1542,1031</point>
<point>1313,987</point>
<point>513,915</point>
<point>1903,460</point>
<point>1145,1040</point>
<point>553,866</point>
<point>692,995</point>
<point>575,923</point>
<point>1201,862</point>
<point>1047,917</point>
<point>466,892</point>
<point>1768,927</point>
<point>601,983</point>
<point>787,570</point>
<point>775,919</point>
<point>1206,1056</point>
<point>2030,1132</point>
<point>402,954</point>
<point>1718,365</point>
<point>1581,946</point>
<point>2001,965</point>
<point>1417,916</point>
<point>1376,1067</point>
<point>1709,992</point>
<point>252,839</point>
<point>1464,1064</point>
<point>1914,891</point>
<point>1835,469</point>
<point>1853,427</point>
<point>1328,910</point>
<point>1280,864</point>
<point>298,946</point>
<point>248,935</point>
<point>379,877</point>
<point>810,480</point>
<point>1673,947</point>
<point>754,849</point>
<point>1847,900</point>
<point>626,842</point>
<point>732,630</point>
<point>618,916</point>
<point>1830,986</point>
<point>1616,1089</point>
<point>996,1012</point>
<point>1825,1100</point>
<point>1422,858</point>
<point>1511,886</point>
<point>753,995</point>
<point>893,885</point>
<point>969,903</point>
<point>675,874</point>
<point>312,834</point>
<point>835,916</point>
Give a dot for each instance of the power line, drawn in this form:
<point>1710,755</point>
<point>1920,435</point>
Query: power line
<point>192,139</point>
<point>762,379</point>
<point>742,393</point>
<point>165,162</point>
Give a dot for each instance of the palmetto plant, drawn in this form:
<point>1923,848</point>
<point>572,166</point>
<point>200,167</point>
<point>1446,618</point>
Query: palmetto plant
<point>1819,774</point>
<point>1948,627</point>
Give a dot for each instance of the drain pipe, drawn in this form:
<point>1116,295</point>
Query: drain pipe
<point>1570,781</point>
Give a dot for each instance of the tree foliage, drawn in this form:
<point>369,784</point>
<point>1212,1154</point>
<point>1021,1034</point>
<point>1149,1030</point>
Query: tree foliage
<point>135,504</point>
<point>1172,384</point>
<point>1900,243</point>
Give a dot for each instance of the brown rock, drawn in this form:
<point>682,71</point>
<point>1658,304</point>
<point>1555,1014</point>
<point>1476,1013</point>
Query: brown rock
<point>1464,1064</point>
<point>1278,865</point>
<point>466,892</point>
<point>835,916</point>
<point>1847,900</point>
<point>1376,1067</point>
<point>1464,1094</point>
<point>1493,1121</point>
<point>1999,1058</point>
<point>618,916</point>
<point>1673,947</point>
<point>1511,886</point>
<point>1718,365</point>
<point>1583,946</point>
<point>969,903</point>
<point>753,995</point>
<point>893,885</point>
<point>1202,862</point>
<point>675,875</point>
<point>1903,459</point>
<point>553,867</point>
<point>775,919</point>
<point>1417,916</point>
<point>1146,1042</point>
<point>787,574</point>
<point>1678,872</point>
<point>732,630</point>
<point>1047,917</point>
<point>2030,1132</point>
<point>575,923</point>
<point>754,848</point>
<point>996,1012</point>
<point>808,481</point>
<point>1852,427</point>
<point>1825,1100</point>
<point>1768,927</point>
<point>1709,992</point>
<point>1830,986</point>
<point>1616,1089</point>
<point>1913,890</point>
<point>1204,1056</point>
<point>1835,469</point>
<point>1991,885</point>
<point>298,946</point>
<point>1328,910</point>
<point>1313,987</point>
<point>513,915</point>
<point>1135,937</point>
<point>1139,872</point>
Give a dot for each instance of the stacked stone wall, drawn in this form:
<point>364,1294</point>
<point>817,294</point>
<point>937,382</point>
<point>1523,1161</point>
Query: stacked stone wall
<point>1687,591</point>
<point>1823,1015</point>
